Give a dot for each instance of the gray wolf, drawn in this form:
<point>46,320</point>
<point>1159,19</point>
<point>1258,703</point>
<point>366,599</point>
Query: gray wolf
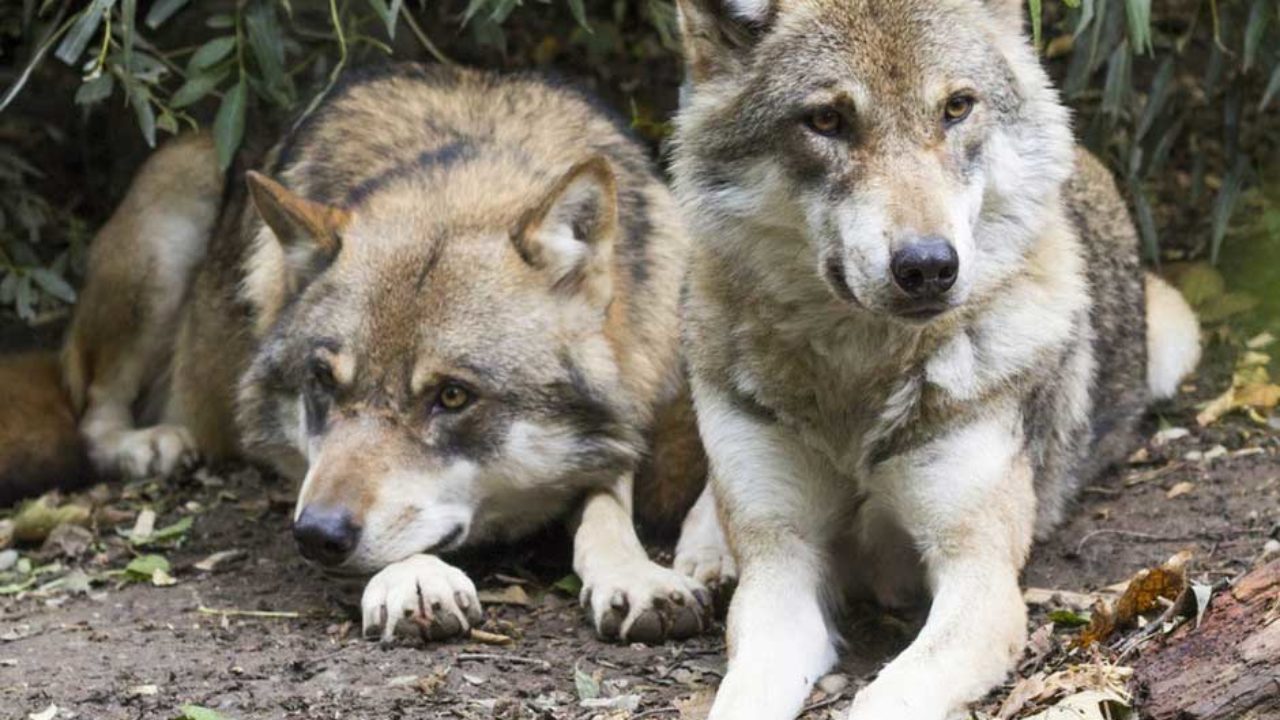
<point>446,306</point>
<point>916,322</point>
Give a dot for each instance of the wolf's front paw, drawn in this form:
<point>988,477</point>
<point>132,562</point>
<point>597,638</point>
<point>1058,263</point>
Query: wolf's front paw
<point>881,700</point>
<point>642,601</point>
<point>157,451</point>
<point>711,565</point>
<point>423,594</point>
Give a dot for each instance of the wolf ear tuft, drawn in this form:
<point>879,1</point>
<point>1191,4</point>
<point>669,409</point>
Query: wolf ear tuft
<point>297,222</point>
<point>718,33</point>
<point>1012,12</point>
<point>569,233</point>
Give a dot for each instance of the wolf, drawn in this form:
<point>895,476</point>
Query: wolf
<point>915,320</point>
<point>445,304</point>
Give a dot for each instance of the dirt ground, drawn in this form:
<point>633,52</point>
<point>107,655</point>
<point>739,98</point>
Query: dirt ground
<point>265,636</point>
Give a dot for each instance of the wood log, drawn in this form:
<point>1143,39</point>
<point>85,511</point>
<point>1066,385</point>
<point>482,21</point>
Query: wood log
<point>1229,667</point>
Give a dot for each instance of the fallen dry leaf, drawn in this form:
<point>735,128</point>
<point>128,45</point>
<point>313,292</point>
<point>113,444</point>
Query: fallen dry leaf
<point>1180,489</point>
<point>47,714</point>
<point>1148,590</point>
<point>696,706</point>
<point>510,595</point>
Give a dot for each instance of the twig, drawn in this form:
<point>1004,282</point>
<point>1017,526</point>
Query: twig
<point>825,702</point>
<point>1217,536</point>
<point>495,657</point>
<point>655,711</point>
<point>422,37</point>
<point>276,614</point>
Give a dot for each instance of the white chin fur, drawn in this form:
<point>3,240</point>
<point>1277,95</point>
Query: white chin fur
<point>1173,338</point>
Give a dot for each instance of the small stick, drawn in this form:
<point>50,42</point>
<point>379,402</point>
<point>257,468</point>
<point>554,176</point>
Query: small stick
<point>276,614</point>
<point>495,657</point>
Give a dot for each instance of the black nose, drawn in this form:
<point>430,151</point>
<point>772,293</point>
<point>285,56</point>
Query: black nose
<point>325,535</point>
<point>925,268</point>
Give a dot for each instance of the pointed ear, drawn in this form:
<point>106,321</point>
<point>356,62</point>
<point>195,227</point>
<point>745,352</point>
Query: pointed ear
<point>569,233</point>
<point>717,34</point>
<point>1011,12</point>
<point>302,226</point>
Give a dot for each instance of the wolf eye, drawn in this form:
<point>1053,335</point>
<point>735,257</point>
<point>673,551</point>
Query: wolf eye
<point>453,397</point>
<point>957,108</point>
<point>825,121</point>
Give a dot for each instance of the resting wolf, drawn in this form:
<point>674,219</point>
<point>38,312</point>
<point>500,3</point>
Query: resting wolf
<point>447,306</point>
<point>916,323</point>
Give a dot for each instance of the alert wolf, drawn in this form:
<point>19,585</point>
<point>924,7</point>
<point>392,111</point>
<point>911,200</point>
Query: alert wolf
<point>446,305</point>
<point>916,322</point>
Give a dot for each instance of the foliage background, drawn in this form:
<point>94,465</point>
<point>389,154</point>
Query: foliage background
<point>1181,99</point>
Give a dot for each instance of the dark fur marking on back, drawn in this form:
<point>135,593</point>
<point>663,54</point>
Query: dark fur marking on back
<point>435,158</point>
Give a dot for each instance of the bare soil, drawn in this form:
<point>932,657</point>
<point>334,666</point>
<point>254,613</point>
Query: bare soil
<point>117,649</point>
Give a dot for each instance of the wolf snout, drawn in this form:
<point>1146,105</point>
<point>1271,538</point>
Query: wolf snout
<point>925,268</point>
<point>326,535</point>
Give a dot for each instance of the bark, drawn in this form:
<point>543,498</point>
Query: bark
<point>1228,668</point>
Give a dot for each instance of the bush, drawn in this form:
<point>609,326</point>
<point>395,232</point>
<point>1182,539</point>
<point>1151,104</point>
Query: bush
<point>1187,86</point>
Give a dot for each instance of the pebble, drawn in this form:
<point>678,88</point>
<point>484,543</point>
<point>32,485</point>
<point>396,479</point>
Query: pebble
<point>833,684</point>
<point>8,559</point>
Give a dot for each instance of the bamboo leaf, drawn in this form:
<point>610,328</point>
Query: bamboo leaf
<point>128,13</point>
<point>265,36</point>
<point>228,125</point>
<point>1273,87</point>
<point>580,13</point>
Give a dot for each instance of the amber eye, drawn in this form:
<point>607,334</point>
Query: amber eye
<point>958,108</point>
<point>825,121</point>
<point>453,397</point>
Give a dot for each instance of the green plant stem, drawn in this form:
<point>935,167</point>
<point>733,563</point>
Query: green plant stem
<point>425,41</point>
<point>40,52</point>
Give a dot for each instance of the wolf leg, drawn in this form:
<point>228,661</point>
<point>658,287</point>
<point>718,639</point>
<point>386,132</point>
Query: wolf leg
<point>777,500</point>
<point>140,266</point>
<point>422,594</point>
<point>968,503</point>
<point>629,596</point>
<point>703,552</point>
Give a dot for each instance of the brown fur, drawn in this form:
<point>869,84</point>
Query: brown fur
<point>39,446</point>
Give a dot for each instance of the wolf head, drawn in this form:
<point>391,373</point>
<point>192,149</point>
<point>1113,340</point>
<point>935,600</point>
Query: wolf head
<point>438,360</point>
<point>905,152</point>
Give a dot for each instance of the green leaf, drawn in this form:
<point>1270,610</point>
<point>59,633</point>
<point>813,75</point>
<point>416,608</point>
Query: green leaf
<point>389,13</point>
<point>1037,17</point>
<point>570,585</point>
<point>1156,99</point>
<point>1273,87</point>
<point>195,712</point>
<point>587,686</point>
<point>140,98</point>
<point>128,14</point>
<point>1253,31</point>
<point>1138,14</point>
<point>197,87</point>
<point>86,25</point>
<point>1146,224</point>
<point>1119,79</point>
<point>221,21</point>
<point>1068,618</point>
<point>143,567</point>
<point>1225,204</point>
<point>211,52</point>
<point>96,90</point>
<point>163,10</point>
<point>168,533</point>
<point>51,283</point>
<point>580,12</point>
<point>265,36</point>
<point>228,125</point>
